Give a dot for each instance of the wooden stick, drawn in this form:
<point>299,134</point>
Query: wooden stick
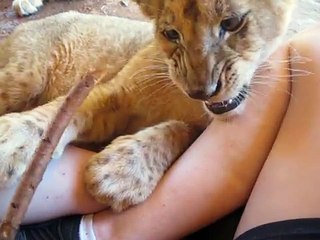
<point>41,158</point>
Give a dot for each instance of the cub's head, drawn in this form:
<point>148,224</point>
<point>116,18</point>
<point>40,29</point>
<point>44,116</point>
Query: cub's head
<point>214,47</point>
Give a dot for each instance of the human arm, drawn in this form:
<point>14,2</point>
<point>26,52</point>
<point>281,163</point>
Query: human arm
<point>214,177</point>
<point>61,192</point>
<point>211,179</point>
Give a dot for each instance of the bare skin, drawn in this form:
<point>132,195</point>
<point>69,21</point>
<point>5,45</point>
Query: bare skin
<point>287,187</point>
<point>156,92</point>
<point>118,106</point>
<point>226,189</point>
<point>67,191</point>
<point>226,182</point>
<point>218,162</point>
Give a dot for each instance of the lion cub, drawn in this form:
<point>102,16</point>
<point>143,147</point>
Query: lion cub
<point>159,85</point>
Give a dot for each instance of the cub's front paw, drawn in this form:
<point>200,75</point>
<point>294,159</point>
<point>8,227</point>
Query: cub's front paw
<point>119,176</point>
<point>19,138</point>
<point>26,7</point>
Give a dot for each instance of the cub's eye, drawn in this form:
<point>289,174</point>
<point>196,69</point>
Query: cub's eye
<point>232,24</point>
<point>172,35</point>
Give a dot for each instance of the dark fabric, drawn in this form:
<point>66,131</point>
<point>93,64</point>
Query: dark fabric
<point>223,229</point>
<point>298,229</point>
<point>301,229</point>
<point>66,228</point>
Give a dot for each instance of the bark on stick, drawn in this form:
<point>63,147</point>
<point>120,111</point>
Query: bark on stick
<point>34,174</point>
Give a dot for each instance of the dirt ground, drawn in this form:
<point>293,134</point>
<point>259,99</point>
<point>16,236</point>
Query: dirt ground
<point>9,20</point>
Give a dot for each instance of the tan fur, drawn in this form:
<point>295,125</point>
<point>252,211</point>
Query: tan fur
<point>138,103</point>
<point>202,58</point>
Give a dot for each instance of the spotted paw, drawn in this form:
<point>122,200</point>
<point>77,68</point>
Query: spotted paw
<point>19,138</point>
<point>26,7</point>
<point>120,175</point>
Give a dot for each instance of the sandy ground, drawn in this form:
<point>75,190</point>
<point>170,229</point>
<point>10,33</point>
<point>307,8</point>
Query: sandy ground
<point>9,20</point>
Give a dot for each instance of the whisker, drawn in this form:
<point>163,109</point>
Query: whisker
<point>202,116</point>
<point>152,85</point>
<point>159,82</point>
<point>274,87</point>
<point>149,68</point>
<point>161,89</point>
<point>148,78</point>
<point>292,70</point>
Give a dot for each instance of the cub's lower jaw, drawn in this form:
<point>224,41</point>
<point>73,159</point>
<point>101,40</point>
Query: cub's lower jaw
<point>228,106</point>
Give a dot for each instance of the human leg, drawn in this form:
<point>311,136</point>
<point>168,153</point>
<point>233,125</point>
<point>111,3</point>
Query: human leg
<point>211,179</point>
<point>287,187</point>
<point>222,165</point>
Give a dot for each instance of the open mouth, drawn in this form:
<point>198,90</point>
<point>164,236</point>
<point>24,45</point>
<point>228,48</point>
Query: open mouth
<point>219,108</point>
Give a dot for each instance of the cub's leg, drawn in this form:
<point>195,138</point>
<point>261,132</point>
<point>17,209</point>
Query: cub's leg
<point>22,76</point>
<point>20,133</point>
<point>102,116</point>
<point>26,7</point>
<point>127,171</point>
<point>20,86</point>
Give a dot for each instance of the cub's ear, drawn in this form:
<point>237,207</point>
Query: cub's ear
<point>150,8</point>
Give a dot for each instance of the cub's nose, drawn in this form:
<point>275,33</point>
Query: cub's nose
<point>205,94</point>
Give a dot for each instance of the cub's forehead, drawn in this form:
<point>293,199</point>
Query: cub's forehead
<point>201,10</point>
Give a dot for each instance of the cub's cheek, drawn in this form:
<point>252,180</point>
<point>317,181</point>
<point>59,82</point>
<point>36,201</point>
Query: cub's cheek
<point>245,73</point>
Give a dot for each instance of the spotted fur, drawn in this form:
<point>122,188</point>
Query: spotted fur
<point>141,103</point>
